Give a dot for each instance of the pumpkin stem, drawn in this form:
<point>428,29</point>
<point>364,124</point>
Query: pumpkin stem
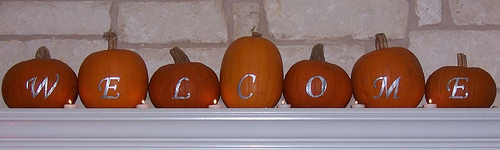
<point>317,52</point>
<point>42,53</point>
<point>256,34</point>
<point>111,38</point>
<point>462,60</point>
<point>380,41</point>
<point>178,55</point>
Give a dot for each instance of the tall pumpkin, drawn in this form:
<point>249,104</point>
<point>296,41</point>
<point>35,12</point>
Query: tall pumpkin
<point>39,83</point>
<point>112,78</point>
<point>316,83</point>
<point>388,77</point>
<point>251,73</point>
<point>184,84</point>
<point>461,86</point>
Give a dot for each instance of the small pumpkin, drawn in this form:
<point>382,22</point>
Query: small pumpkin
<point>388,77</point>
<point>461,86</point>
<point>113,78</point>
<point>42,82</point>
<point>184,84</point>
<point>251,73</point>
<point>315,83</point>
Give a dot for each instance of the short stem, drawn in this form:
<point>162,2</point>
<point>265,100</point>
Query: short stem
<point>111,38</point>
<point>380,41</point>
<point>462,60</point>
<point>317,52</point>
<point>42,53</point>
<point>178,55</point>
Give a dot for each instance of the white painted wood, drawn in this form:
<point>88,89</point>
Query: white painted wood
<point>250,128</point>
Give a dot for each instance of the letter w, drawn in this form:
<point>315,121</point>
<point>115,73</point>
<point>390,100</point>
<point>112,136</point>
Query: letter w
<point>42,85</point>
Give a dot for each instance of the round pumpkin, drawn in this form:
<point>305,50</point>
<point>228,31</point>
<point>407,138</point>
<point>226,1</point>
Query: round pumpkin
<point>251,73</point>
<point>315,83</point>
<point>461,86</point>
<point>184,84</point>
<point>388,77</point>
<point>113,78</point>
<point>39,83</point>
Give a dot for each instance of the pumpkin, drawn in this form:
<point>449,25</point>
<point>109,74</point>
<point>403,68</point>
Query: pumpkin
<point>251,73</point>
<point>317,83</point>
<point>39,83</point>
<point>113,78</point>
<point>184,84</point>
<point>461,86</point>
<point>388,77</point>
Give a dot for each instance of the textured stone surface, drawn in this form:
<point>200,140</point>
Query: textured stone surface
<point>245,17</point>
<point>166,22</point>
<point>437,48</point>
<point>298,19</point>
<point>475,12</point>
<point>54,18</point>
<point>72,52</point>
<point>428,12</point>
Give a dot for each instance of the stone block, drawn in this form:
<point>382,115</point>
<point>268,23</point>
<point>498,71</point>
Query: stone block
<point>245,17</point>
<point>428,12</point>
<point>54,18</point>
<point>475,12</point>
<point>331,19</point>
<point>167,22</point>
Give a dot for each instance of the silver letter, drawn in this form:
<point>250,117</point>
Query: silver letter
<point>323,86</point>
<point>43,84</point>
<point>239,85</point>
<point>108,86</point>
<point>395,85</point>
<point>456,86</point>
<point>177,89</point>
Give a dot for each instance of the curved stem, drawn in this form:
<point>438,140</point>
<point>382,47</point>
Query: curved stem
<point>380,41</point>
<point>317,52</point>
<point>42,53</point>
<point>111,38</point>
<point>178,55</point>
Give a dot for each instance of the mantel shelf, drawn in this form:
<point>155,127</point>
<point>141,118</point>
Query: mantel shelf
<point>274,128</point>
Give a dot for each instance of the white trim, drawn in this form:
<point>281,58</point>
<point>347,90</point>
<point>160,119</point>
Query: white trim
<point>250,128</point>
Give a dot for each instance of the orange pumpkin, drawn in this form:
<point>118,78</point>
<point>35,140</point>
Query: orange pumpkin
<point>461,86</point>
<point>184,84</point>
<point>251,73</point>
<point>39,83</point>
<point>317,83</point>
<point>113,77</point>
<point>388,77</point>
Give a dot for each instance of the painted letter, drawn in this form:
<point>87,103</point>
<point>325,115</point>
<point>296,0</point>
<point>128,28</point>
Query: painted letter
<point>176,96</point>
<point>43,85</point>
<point>108,86</point>
<point>456,86</point>
<point>309,86</point>
<point>394,86</point>
<point>239,86</point>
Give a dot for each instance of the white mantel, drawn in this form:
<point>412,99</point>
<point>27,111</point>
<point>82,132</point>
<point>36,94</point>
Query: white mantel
<point>342,128</point>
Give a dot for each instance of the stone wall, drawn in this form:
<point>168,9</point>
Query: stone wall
<point>435,30</point>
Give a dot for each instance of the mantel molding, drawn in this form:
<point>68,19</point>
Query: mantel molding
<point>250,128</point>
